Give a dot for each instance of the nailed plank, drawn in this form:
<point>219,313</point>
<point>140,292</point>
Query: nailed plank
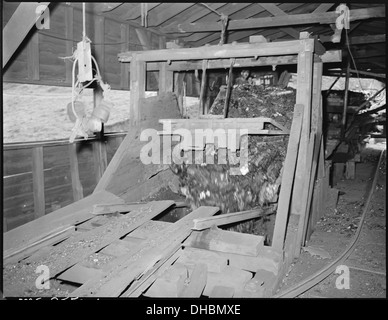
<point>195,284</point>
<point>287,179</point>
<point>38,181</point>
<point>170,283</point>
<point>230,277</point>
<point>266,22</point>
<point>126,268</point>
<point>80,246</point>
<point>226,241</point>
<point>213,260</point>
<point>204,223</point>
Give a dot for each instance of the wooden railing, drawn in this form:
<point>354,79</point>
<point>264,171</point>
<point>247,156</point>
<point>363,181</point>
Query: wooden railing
<point>40,177</point>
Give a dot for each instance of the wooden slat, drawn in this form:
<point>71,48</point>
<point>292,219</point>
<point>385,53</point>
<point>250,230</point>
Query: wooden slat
<point>295,19</point>
<point>196,283</point>
<point>125,269</point>
<point>75,181</point>
<point>137,86</point>
<point>217,52</point>
<point>39,228</point>
<point>38,181</point>
<point>287,179</point>
<point>33,57</point>
<point>79,274</point>
<point>18,27</point>
<point>124,69</point>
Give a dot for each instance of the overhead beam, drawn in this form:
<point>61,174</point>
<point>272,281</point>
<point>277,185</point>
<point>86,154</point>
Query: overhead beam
<point>219,52</point>
<point>107,6</point>
<point>18,27</point>
<point>296,19</point>
<point>276,11</point>
<point>329,57</point>
<point>378,38</point>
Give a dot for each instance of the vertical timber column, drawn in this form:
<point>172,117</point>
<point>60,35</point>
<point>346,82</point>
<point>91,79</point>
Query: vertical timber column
<point>137,86</point>
<point>99,146</point>
<point>38,181</point>
<point>303,96</point>
<point>346,95</point>
<point>124,67</point>
<point>76,185</point>
<point>166,77</point>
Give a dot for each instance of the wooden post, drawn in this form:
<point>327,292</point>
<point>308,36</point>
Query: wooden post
<point>137,88</point>
<point>287,179</point>
<point>346,94</point>
<point>303,96</point>
<point>75,181</point>
<point>69,13</point>
<point>124,67</point>
<point>99,145</point>
<point>33,57</point>
<point>38,181</point>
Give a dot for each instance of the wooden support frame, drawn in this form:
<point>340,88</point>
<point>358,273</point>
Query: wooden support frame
<point>75,180</point>
<point>38,181</point>
<point>18,27</point>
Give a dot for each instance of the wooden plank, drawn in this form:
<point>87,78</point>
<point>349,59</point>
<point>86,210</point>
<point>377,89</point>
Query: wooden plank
<point>70,215</point>
<point>124,69</point>
<point>38,181</point>
<point>79,274</point>
<point>213,260</point>
<point>170,283</point>
<point>195,284</point>
<point>75,181</point>
<point>33,57</point>
<point>287,179</point>
<point>112,208</point>
<point>216,52</point>
<point>69,34</point>
<point>18,27</point>
<point>228,218</point>
<point>226,241</point>
<point>266,22</point>
<point>126,268</point>
<point>222,292</point>
<point>230,277</point>
<point>121,247</point>
<point>303,97</point>
<point>149,228</point>
<point>137,87</point>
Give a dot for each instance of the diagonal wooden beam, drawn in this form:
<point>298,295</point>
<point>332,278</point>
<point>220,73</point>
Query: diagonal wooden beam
<point>297,19</point>
<point>135,12</point>
<point>18,27</point>
<point>323,7</point>
<point>276,11</point>
<point>107,6</point>
<point>159,17</point>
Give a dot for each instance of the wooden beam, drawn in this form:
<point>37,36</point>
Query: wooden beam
<point>75,181</point>
<point>219,52</point>
<point>303,97</point>
<point>296,19</point>
<point>135,12</point>
<point>228,218</point>
<point>107,6</point>
<point>38,181</point>
<point>69,34</point>
<point>323,7</point>
<point>18,27</point>
<point>137,89</point>
<point>124,68</point>
<point>287,180</point>
<point>163,15</point>
<point>276,11</point>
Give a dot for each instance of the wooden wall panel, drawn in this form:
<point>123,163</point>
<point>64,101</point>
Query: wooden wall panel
<point>17,161</point>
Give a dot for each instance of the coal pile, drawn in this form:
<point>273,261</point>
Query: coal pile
<point>213,185</point>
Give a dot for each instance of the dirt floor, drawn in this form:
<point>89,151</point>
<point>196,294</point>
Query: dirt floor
<point>336,229</point>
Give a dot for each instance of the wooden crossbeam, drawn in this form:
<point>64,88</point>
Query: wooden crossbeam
<point>276,11</point>
<point>107,6</point>
<point>219,52</point>
<point>18,27</point>
<point>296,19</point>
<point>378,38</point>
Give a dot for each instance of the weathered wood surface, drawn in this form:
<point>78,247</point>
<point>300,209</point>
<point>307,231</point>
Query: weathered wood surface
<point>226,241</point>
<point>129,267</point>
<point>287,179</point>
<point>79,246</point>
